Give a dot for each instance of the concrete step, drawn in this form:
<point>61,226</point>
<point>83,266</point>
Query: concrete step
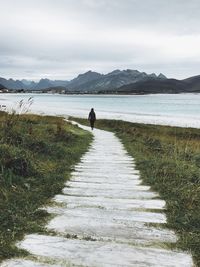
<point>101,254</point>
<point>103,217</point>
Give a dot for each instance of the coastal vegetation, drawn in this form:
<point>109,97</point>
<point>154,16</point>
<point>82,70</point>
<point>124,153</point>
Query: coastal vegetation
<point>168,159</point>
<point>37,154</point>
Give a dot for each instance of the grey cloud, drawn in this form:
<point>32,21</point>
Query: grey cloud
<point>180,16</point>
<point>62,38</point>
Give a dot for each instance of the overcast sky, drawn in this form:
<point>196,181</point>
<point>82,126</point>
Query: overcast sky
<point>59,39</point>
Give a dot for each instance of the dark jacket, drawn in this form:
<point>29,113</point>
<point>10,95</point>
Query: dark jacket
<point>92,116</point>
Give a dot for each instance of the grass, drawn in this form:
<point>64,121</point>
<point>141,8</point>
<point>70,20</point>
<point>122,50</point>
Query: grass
<point>169,161</point>
<point>37,154</point>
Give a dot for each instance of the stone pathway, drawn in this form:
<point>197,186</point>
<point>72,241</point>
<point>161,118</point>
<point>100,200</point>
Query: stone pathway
<point>104,217</point>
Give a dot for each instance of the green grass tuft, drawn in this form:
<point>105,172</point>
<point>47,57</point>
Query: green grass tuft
<point>37,155</point>
<point>169,161</point>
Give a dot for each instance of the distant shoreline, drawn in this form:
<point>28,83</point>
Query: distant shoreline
<point>181,110</point>
<point>99,94</point>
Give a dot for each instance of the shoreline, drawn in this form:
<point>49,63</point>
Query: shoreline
<point>90,94</point>
<point>78,106</point>
<point>137,121</point>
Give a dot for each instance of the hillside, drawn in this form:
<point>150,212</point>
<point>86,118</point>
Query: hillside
<point>2,87</point>
<point>154,86</point>
<point>165,86</point>
<point>193,83</point>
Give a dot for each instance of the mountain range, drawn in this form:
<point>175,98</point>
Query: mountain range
<point>89,81</point>
<point>117,81</point>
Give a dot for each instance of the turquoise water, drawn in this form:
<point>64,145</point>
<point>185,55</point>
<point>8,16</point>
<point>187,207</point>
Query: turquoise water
<point>180,109</point>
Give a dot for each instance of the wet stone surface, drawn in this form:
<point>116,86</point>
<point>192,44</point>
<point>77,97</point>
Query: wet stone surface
<point>104,217</point>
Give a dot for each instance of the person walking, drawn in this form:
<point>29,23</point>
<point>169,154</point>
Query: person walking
<point>92,118</point>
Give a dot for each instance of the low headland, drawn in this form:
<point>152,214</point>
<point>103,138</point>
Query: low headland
<point>168,159</point>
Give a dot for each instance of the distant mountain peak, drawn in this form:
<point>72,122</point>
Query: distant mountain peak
<point>87,75</point>
<point>84,78</point>
<point>26,82</point>
<point>162,76</point>
<point>114,72</point>
<point>44,80</point>
<point>124,72</point>
<point>89,72</point>
<point>153,75</point>
<point>132,71</point>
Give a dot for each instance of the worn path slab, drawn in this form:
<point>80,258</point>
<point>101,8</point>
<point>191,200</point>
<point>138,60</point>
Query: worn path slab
<point>102,218</point>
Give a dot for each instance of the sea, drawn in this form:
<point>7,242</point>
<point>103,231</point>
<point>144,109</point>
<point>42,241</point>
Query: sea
<point>163,109</point>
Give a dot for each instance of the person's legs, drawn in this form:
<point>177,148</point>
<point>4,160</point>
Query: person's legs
<point>92,124</point>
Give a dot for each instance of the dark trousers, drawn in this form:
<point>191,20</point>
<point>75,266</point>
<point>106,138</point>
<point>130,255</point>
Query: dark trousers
<point>92,123</point>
